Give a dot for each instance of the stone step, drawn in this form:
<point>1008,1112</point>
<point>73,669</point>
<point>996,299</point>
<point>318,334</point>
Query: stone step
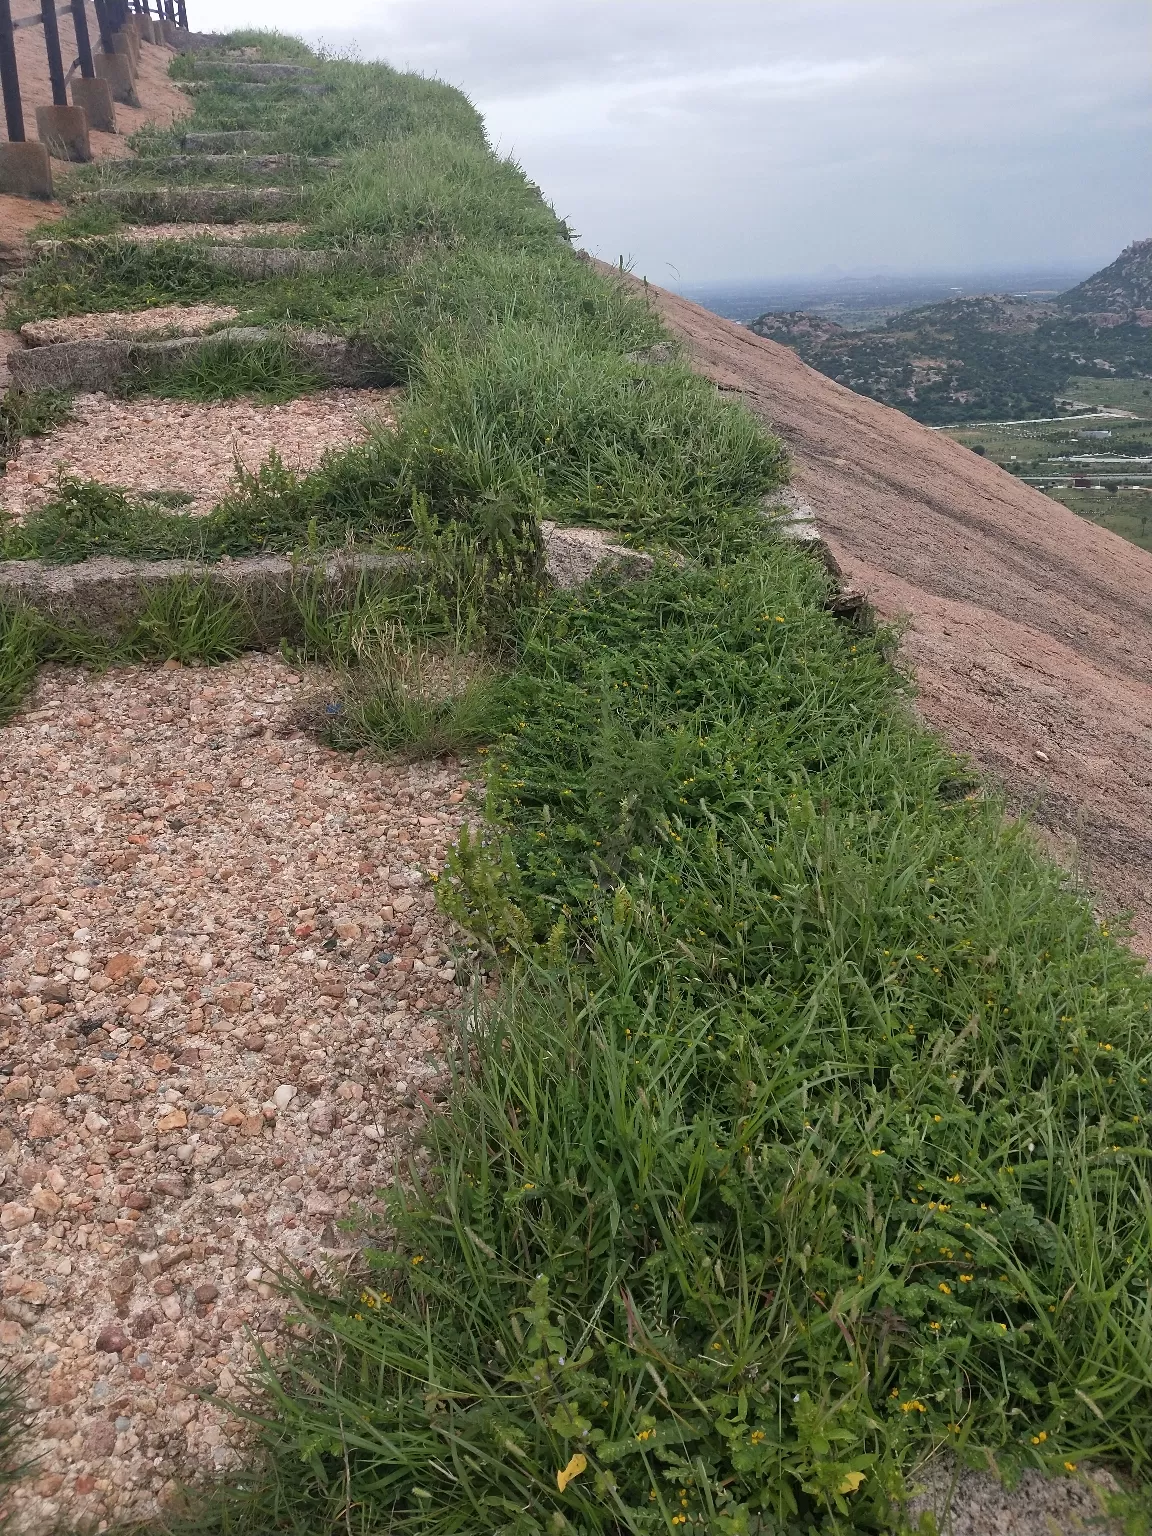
<point>252,262</point>
<point>203,205</point>
<point>86,367</point>
<point>243,87</point>
<point>250,70</point>
<point>255,164</point>
<point>226,142</point>
<point>106,595</point>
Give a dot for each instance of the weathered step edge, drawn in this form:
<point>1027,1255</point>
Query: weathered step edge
<point>87,367</point>
<point>174,165</point>
<point>252,70</point>
<point>106,595</point>
<point>223,204</point>
<point>224,140</point>
<point>238,87</point>
<point>250,261</point>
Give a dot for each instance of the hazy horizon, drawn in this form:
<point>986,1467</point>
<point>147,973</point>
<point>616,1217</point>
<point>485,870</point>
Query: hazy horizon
<point>743,141</point>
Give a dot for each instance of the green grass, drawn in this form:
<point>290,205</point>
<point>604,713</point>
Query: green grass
<point>807,1136</point>
<point>29,413</point>
<point>1126,394</point>
<point>809,1130</point>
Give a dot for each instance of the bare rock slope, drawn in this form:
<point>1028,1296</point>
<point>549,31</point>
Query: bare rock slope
<point>1028,630</point>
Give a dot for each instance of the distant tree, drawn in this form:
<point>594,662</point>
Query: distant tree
<point>979,448</point>
<point>1111,489</point>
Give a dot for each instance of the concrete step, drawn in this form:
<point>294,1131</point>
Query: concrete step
<point>243,87</point>
<point>204,165</point>
<point>200,205</point>
<point>223,143</point>
<point>249,69</point>
<point>86,367</point>
<point>107,595</point>
<point>252,262</point>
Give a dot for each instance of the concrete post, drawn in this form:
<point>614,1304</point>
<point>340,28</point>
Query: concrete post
<point>127,42</point>
<point>25,169</point>
<point>95,96</point>
<point>64,132</point>
<point>116,68</point>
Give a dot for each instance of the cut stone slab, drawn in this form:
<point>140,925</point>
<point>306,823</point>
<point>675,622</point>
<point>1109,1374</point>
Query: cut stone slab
<point>574,555</point>
<point>164,320</point>
<point>256,164</point>
<point>107,595</point>
<point>92,365</point>
<point>243,87</point>
<point>225,141</point>
<point>255,262</point>
<point>245,69</point>
<point>222,204</point>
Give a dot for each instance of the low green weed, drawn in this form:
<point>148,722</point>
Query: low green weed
<point>20,636</point>
<point>29,413</point>
<point>271,371</point>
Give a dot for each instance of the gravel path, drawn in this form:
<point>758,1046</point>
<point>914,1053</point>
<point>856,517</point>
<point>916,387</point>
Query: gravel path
<point>222,973</point>
<point>166,445</point>
<point>224,233</point>
<point>161,320</point>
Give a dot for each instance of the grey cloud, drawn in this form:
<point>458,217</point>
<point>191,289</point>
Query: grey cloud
<point>731,139</point>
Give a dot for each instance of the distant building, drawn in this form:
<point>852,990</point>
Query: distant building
<point>1094,433</point>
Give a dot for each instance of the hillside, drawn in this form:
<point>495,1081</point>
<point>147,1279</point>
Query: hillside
<point>1123,286</point>
<point>505,1043</point>
<point>1031,630</point>
<point>991,356</point>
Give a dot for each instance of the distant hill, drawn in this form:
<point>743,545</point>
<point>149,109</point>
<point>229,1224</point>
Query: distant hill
<point>1125,285</point>
<point>996,355</point>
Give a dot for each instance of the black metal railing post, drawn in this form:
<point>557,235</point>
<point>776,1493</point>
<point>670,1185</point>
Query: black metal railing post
<point>104,22</point>
<point>9,79</point>
<point>181,15</point>
<point>83,41</point>
<point>55,59</point>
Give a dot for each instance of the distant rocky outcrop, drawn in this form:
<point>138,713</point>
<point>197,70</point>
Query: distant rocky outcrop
<point>1124,286</point>
<point>988,355</point>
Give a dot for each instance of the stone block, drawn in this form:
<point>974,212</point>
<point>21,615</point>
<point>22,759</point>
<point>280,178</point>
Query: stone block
<point>64,132</point>
<point>95,98</point>
<point>106,595</point>
<point>86,367</point>
<point>225,142</point>
<point>208,205</point>
<point>25,170</point>
<point>117,69</point>
<point>127,42</point>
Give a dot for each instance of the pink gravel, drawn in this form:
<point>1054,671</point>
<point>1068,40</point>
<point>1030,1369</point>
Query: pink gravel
<point>175,445</point>
<point>223,979</point>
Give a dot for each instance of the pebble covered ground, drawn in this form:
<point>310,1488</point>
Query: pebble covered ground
<point>224,234</point>
<point>160,320</point>
<point>223,980</point>
<point>151,444</point>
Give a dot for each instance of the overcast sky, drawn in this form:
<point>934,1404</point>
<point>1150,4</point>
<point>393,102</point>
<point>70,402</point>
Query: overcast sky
<point>721,139</point>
